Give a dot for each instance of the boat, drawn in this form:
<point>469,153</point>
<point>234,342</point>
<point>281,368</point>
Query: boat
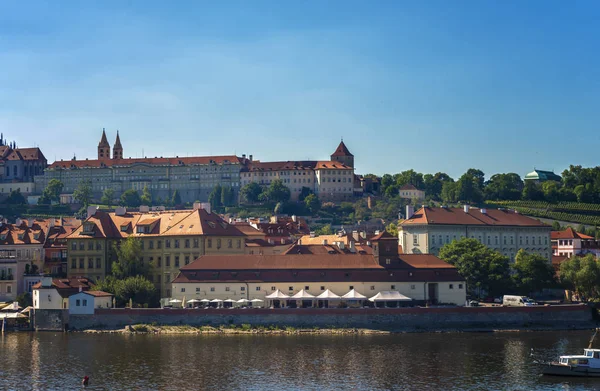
<point>585,365</point>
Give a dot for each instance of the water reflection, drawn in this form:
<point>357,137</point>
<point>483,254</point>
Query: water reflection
<point>49,361</point>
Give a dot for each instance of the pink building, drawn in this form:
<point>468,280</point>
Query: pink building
<point>569,242</point>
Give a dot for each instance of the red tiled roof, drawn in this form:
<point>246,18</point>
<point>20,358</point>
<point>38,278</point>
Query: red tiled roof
<point>341,150</point>
<point>384,235</point>
<point>98,293</point>
<point>257,165</point>
<point>167,161</point>
<point>67,283</point>
<point>569,233</point>
<point>457,216</point>
<point>408,186</point>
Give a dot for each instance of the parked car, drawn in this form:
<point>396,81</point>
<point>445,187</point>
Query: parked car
<point>517,301</point>
<point>473,303</point>
<point>498,300</point>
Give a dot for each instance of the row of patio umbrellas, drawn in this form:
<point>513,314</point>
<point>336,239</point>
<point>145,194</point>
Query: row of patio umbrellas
<point>326,295</point>
<point>241,301</point>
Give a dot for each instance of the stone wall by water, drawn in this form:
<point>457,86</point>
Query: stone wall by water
<point>394,319</point>
<point>50,320</point>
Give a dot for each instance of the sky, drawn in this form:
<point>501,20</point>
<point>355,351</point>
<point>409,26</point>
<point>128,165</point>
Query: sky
<point>502,86</point>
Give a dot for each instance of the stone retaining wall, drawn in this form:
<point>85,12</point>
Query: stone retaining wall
<point>50,320</point>
<point>393,319</point>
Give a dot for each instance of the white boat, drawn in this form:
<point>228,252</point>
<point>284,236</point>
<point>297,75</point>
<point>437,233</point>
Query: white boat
<point>585,365</point>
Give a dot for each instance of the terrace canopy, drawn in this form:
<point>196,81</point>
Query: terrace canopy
<point>354,295</point>
<point>302,295</point>
<point>389,296</point>
<point>328,295</point>
<point>277,295</point>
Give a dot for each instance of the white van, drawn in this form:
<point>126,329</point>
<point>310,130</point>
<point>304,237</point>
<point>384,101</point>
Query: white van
<point>517,301</point>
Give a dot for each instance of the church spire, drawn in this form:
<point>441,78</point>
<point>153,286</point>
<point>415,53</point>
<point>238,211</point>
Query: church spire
<point>103,147</point>
<point>118,148</point>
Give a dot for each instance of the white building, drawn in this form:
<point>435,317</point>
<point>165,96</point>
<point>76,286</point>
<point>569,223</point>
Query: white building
<point>84,303</point>
<point>569,242</point>
<point>51,294</point>
<point>429,229</point>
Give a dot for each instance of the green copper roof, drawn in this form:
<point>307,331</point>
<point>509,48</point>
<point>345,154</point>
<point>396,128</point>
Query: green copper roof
<point>539,175</point>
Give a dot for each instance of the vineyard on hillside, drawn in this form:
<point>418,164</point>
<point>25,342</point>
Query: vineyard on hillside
<point>575,212</point>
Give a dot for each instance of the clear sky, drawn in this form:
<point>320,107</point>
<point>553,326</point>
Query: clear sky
<point>502,86</point>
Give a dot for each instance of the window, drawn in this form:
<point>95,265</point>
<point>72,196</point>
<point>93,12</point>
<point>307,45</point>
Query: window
<point>372,287</point>
<point>273,288</point>
<point>98,263</point>
<point>142,244</point>
<point>239,243</point>
<point>158,278</point>
<point>90,246</point>
<point>504,240</point>
<point>168,261</point>
<point>451,286</point>
<point>489,240</point>
<point>151,244</point>
<point>306,288</point>
<point>388,261</point>
<point>212,288</point>
<point>159,244</point>
<point>73,263</point>
<point>209,243</point>
<point>258,288</point>
<point>84,302</point>
<point>9,289</point>
<point>168,243</point>
<point>496,240</point>
<point>393,287</point>
<point>81,246</point>
<point>415,240</point>
<point>159,262</point>
<point>98,246</point>
<point>218,244</point>
<point>90,263</point>
<point>227,289</point>
<point>182,290</point>
<point>433,239</point>
<point>197,290</point>
<point>177,261</point>
<point>187,243</point>
<point>196,243</point>
<point>176,243</point>
<point>74,246</point>
<point>229,243</point>
<point>460,286</point>
<point>81,263</point>
<point>413,287</point>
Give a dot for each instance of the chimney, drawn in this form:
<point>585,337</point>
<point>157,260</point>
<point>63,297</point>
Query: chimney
<point>144,208</point>
<point>351,246</point>
<point>483,211</point>
<point>205,206</point>
<point>466,208</point>
<point>30,222</point>
<point>18,222</point>
<point>324,242</point>
<point>294,219</point>
<point>273,219</point>
<point>363,234</point>
<point>250,157</point>
<point>243,155</point>
<point>355,236</point>
<point>312,234</point>
<point>80,288</point>
<point>51,223</point>
<point>410,211</point>
<point>46,282</point>
<point>120,211</point>
<point>197,205</point>
<point>341,245</point>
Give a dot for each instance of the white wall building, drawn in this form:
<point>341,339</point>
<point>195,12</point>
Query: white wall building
<point>84,303</point>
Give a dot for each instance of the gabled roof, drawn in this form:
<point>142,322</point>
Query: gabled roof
<point>408,186</point>
<point>383,235</point>
<point>569,233</point>
<point>167,161</point>
<point>457,216</point>
<point>541,175</point>
<point>341,150</point>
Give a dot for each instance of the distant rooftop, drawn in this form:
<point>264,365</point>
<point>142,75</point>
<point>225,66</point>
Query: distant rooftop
<point>540,175</point>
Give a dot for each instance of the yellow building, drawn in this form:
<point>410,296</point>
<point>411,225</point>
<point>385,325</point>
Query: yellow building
<point>169,240</point>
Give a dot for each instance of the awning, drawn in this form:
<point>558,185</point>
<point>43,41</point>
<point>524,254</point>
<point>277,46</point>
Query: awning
<point>390,296</point>
<point>303,295</point>
<point>354,295</point>
<point>328,295</point>
<point>277,295</point>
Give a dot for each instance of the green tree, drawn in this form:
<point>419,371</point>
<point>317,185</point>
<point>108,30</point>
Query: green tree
<point>129,261</point>
<point>251,191</point>
<point>15,198</point>
<point>504,187</point>
<point>83,193</point>
<point>277,191</point>
<point>312,203</point>
<point>449,192</point>
<point>556,226</point>
<point>409,177</point>
<point>434,183</point>
<point>25,300</point>
<point>485,270</point>
<point>532,192</point>
<point>469,187</point>
<point>304,192</point>
<point>52,192</point>
<point>146,198</point>
<point>278,208</point>
<point>227,196</point>
<point>532,273</point>
<point>137,289</point>
<point>324,230</point>
<point>214,198</point>
<point>131,198</point>
<point>108,196</point>
<point>582,275</point>
<point>584,193</point>
<point>176,199</point>
<point>550,189</point>
<point>392,229</point>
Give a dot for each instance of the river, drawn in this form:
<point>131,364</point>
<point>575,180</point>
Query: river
<point>452,361</point>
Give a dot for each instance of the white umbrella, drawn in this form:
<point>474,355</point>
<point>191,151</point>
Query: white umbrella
<point>277,295</point>
<point>174,301</point>
<point>229,301</point>
<point>256,301</point>
<point>302,295</point>
<point>328,295</point>
<point>354,295</point>
<point>389,296</point>
<point>216,301</point>
<point>205,301</point>
<point>193,301</point>
<point>242,301</point>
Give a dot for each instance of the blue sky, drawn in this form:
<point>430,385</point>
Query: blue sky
<point>431,85</point>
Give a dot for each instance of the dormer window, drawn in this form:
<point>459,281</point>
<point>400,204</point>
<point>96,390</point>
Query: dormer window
<point>3,236</point>
<point>36,235</point>
<point>88,228</point>
<point>124,227</point>
<point>21,236</point>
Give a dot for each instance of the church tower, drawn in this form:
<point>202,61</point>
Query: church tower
<point>117,148</point>
<point>103,147</point>
<point>343,155</point>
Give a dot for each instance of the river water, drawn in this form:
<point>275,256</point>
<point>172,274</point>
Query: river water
<point>452,361</point>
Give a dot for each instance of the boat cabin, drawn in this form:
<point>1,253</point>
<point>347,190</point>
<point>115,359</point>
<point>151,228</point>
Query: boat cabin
<point>590,359</point>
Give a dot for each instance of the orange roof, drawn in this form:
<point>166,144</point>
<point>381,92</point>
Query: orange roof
<point>12,234</point>
<point>167,161</point>
<point>569,233</point>
<point>457,216</point>
<point>341,150</point>
<point>408,186</point>
<point>98,293</point>
<point>257,165</point>
<point>249,230</point>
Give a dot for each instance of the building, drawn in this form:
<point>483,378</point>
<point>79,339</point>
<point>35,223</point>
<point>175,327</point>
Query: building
<point>410,192</point>
<point>331,180</point>
<point>55,247</point>
<point>506,231</point>
<point>194,177</point>
<point>539,176</point>
<point>317,268</point>
<point>169,241</point>
<point>53,294</point>
<point>85,302</point>
<point>20,164</point>
<point>570,242</point>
